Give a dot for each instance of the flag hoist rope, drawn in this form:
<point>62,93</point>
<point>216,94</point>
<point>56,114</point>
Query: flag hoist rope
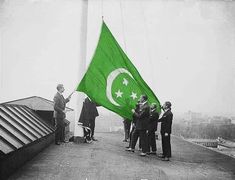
<point>123,29</point>
<point>122,21</point>
<point>1,68</point>
<point>102,10</point>
<point>147,41</point>
<point>145,33</point>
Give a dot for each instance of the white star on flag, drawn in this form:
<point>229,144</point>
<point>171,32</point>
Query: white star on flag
<point>119,93</point>
<point>134,95</point>
<point>125,82</point>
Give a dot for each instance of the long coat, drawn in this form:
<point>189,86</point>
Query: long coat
<point>153,121</point>
<point>89,112</point>
<point>166,120</point>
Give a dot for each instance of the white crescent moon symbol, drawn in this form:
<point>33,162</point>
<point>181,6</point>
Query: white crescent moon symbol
<point>111,77</point>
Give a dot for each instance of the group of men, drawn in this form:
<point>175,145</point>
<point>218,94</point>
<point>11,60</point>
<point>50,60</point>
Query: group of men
<point>144,126</point>
<point>144,123</point>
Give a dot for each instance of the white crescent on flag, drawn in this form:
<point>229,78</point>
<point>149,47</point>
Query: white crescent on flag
<point>111,77</point>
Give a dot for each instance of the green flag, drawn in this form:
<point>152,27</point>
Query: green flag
<point>112,80</point>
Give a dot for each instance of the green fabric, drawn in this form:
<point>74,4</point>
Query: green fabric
<point>111,78</point>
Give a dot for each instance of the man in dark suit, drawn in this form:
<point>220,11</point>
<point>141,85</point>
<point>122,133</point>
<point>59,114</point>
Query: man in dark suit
<point>141,125</point>
<point>88,114</point>
<point>152,128</point>
<point>166,123</point>
<point>59,113</point>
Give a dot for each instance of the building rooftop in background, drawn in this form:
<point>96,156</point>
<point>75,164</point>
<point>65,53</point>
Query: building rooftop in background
<point>20,126</point>
<point>26,127</point>
<point>233,120</point>
<point>220,120</point>
<point>36,103</point>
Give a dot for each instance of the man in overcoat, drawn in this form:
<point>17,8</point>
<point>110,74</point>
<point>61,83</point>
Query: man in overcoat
<point>88,115</point>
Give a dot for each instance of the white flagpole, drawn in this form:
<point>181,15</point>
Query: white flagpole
<point>78,132</point>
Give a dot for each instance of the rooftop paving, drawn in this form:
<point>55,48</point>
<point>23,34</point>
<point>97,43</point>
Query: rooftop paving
<point>106,159</point>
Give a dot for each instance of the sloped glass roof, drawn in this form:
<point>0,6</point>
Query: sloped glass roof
<point>20,126</point>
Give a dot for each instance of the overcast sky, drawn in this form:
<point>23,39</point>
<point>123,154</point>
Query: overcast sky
<point>184,50</point>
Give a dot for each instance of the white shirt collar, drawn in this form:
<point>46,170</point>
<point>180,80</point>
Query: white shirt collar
<point>60,93</point>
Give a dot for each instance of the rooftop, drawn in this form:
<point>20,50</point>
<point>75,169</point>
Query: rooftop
<point>107,159</point>
<point>36,103</point>
<point>20,126</point>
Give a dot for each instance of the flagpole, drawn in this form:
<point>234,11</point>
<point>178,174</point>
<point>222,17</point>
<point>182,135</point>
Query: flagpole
<point>1,71</point>
<point>72,93</point>
<point>78,132</point>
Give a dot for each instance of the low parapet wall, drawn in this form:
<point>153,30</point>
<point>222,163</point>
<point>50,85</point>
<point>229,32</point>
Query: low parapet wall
<point>14,160</point>
<point>23,135</point>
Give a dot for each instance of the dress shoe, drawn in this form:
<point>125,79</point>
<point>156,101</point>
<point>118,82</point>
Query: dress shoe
<point>57,143</point>
<point>93,139</point>
<point>166,159</point>
<point>161,156</point>
<point>153,152</point>
<point>65,141</point>
<point>88,141</point>
<point>130,149</point>
<point>143,154</point>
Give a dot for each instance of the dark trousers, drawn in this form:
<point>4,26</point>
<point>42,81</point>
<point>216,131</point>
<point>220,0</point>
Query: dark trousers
<point>92,127</point>
<point>63,134</point>
<point>59,132</point>
<point>151,141</point>
<point>127,127</point>
<point>143,139</point>
<point>87,134</point>
<point>131,134</point>
<point>166,145</point>
<point>131,137</point>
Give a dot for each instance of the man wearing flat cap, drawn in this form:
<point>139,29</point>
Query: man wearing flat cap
<point>59,113</point>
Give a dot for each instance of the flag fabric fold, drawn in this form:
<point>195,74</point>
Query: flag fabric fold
<point>112,81</point>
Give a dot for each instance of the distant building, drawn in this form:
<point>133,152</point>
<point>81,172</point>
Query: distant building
<point>192,118</point>
<point>233,119</point>
<point>192,115</point>
<point>220,120</point>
